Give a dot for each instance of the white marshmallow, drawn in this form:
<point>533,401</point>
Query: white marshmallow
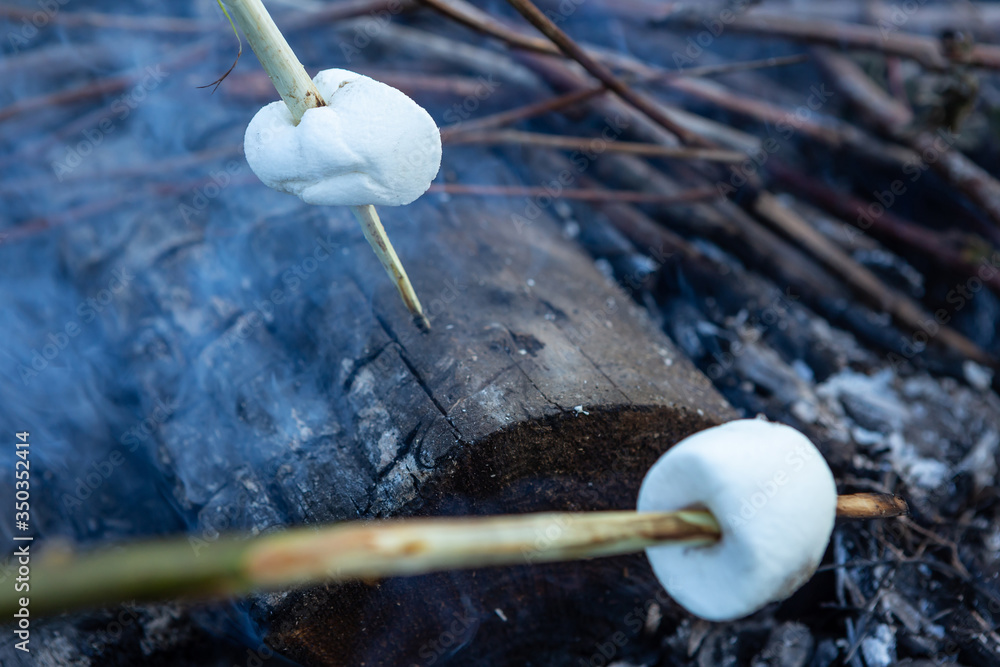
<point>370,144</point>
<point>774,498</point>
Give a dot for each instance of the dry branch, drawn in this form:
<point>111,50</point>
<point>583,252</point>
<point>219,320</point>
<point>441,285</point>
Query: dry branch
<point>528,10</point>
<point>587,143</point>
<point>343,9</point>
<point>473,17</point>
<point>924,50</point>
<point>521,113</point>
<point>953,251</point>
<point>905,310</point>
<point>585,194</point>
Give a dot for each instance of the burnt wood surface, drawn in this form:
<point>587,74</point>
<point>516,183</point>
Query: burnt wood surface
<point>314,399</point>
<point>541,386</point>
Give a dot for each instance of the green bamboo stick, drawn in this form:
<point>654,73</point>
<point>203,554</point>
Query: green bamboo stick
<point>178,569</point>
<point>276,56</point>
<point>182,568</point>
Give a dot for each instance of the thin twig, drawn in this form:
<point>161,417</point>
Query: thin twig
<point>473,17</point>
<point>165,169</point>
<point>732,67</point>
<point>104,21</point>
<point>827,129</point>
<point>901,307</point>
<point>587,144</point>
<point>256,86</point>
<point>279,61</point>
<point>343,9</point>
<point>331,12</point>
<point>954,251</point>
<point>107,86</point>
<point>820,127</point>
<point>841,35</point>
<point>585,194</point>
<point>102,205</point>
<point>574,97</point>
<point>521,113</point>
<point>528,10</point>
<point>82,93</point>
<point>980,17</point>
<point>374,232</point>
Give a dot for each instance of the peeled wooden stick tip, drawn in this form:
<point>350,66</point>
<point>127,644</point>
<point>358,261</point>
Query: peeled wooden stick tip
<point>871,506</point>
<point>371,225</point>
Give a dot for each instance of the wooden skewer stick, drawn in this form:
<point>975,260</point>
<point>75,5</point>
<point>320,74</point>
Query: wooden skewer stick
<point>379,241</point>
<point>300,94</point>
<point>870,506</point>
<point>186,568</point>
